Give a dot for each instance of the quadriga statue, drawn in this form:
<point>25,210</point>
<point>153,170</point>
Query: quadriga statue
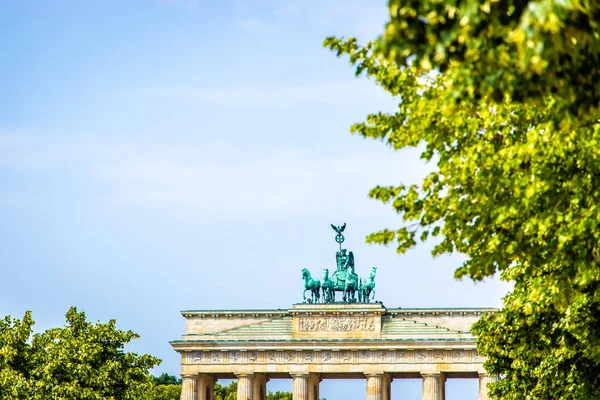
<point>344,279</point>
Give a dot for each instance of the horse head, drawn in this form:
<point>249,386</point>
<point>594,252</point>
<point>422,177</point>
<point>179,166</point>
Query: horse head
<point>325,274</point>
<point>373,271</point>
<point>305,273</point>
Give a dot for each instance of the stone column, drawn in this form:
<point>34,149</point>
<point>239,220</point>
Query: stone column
<point>245,390</point>
<point>260,386</point>
<point>300,386</point>
<point>484,379</point>
<point>188,387</point>
<point>313,386</point>
<point>374,386</point>
<point>205,387</point>
<point>387,387</point>
<point>433,386</point>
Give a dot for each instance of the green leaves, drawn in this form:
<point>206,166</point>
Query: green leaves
<point>78,361</point>
<point>524,50</point>
<point>497,102</point>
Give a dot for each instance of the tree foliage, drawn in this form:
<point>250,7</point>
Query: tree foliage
<point>78,361</point>
<point>523,49</point>
<point>516,188</point>
<point>226,392</point>
<point>165,392</point>
<point>167,387</point>
<point>166,379</point>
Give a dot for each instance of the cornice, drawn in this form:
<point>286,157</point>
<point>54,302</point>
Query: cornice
<point>338,308</point>
<point>298,345</point>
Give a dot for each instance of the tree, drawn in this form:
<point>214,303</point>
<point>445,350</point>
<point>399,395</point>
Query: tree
<point>78,361</point>
<point>226,392</point>
<point>525,50</point>
<point>515,190</point>
<point>165,392</point>
<point>166,379</point>
<point>167,387</point>
<point>278,395</point>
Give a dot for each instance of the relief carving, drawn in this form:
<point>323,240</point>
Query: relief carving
<point>345,356</point>
<point>382,356</point>
<point>319,324</point>
<point>458,355</point>
<point>364,356</point>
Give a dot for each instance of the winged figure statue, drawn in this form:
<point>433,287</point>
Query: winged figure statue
<point>339,229</point>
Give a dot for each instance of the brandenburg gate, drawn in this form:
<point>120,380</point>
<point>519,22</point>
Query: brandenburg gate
<point>314,340</point>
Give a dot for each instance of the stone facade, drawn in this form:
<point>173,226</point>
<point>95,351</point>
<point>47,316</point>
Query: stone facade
<point>311,342</point>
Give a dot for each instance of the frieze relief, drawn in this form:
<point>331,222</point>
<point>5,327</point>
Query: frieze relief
<point>336,324</point>
<point>409,356</point>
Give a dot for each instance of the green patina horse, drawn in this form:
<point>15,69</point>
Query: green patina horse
<point>367,287</point>
<point>327,287</point>
<point>314,285</point>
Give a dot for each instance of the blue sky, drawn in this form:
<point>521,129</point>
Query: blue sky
<point>161,155</point>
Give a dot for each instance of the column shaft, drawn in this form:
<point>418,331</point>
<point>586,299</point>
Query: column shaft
<point>484,379</point>
<point>374,386</point>
<point>387,387</point>
<point>300,387</point>
<point>205,387</point>
<point>433,386</point>
<point>313,386</point>
<point>245,391</point>
<point>260,387</point>
<point>188,387</point>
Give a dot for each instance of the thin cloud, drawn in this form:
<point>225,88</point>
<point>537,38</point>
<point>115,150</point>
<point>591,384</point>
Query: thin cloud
<point>273,96</point>
<point>219,177</point>
<point>286,183</point>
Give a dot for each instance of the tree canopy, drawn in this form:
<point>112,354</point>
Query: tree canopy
<point>525,50</point>
<point>516,186</point>
<point>78,361</point>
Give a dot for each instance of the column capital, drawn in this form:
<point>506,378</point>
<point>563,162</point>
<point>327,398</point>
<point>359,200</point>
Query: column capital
<point>432,373</point>
<point>245,375</point>
<point>187,376</point>
<point>374,374</point>
<point>299,375</point>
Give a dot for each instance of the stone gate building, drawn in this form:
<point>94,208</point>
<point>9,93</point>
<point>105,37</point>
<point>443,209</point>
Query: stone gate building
<point>312,342</point>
